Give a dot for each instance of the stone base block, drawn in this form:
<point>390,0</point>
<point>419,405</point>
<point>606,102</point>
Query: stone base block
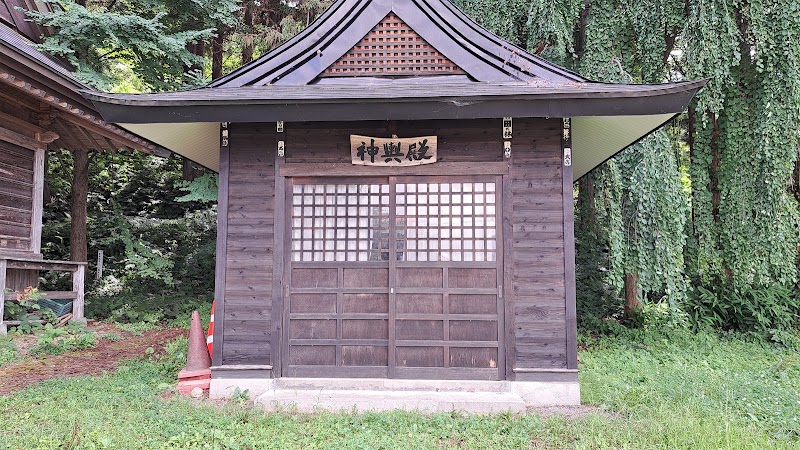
<point>334,394</point>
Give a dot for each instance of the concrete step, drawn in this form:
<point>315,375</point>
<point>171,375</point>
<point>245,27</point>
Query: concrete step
<point>395,385</point>
<point>310,400</point>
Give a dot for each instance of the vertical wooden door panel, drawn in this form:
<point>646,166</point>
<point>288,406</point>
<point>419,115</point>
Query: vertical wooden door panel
<point>394,277</point>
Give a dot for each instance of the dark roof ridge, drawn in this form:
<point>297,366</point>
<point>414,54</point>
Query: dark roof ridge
<point>481,54</point>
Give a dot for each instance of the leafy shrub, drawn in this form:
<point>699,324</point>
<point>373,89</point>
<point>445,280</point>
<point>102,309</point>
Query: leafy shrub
<point>26,309</point>
<point>132,306</point>
<point>770,311</point>
<point>55,341</point>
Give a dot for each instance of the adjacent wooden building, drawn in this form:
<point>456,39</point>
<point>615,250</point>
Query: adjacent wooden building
<point>40,109</point>
<point>396,201</point>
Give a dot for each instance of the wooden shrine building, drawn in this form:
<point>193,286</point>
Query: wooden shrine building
<point>40,108</point>
<point>396,204</point>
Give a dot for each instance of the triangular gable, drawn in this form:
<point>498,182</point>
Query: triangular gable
<point>392,48</point>
<point>481,55</point>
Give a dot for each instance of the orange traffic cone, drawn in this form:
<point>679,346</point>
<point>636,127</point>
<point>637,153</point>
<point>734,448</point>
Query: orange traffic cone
<point>197,372</point>
<point>210,338</point>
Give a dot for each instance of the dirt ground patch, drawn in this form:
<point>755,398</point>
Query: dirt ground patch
<point>105,356</point>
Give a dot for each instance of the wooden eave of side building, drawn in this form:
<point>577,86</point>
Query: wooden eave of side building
<point>44,94</point>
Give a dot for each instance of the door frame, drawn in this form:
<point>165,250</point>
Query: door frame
<point>501,266</point>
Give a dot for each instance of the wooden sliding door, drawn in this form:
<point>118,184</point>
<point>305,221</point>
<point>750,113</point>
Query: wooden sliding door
<point>395,277</point>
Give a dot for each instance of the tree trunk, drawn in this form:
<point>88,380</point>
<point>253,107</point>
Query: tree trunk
<point>632,303</point>
<point>248,46</point>
<point>199,49</point>
<point>80,191</point>
<point>216,55</point>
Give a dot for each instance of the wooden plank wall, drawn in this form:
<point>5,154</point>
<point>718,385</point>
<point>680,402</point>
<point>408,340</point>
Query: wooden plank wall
<point>535,301</point>
<point>538,245</point>
<point>16,197</point>
<point>250,241</point>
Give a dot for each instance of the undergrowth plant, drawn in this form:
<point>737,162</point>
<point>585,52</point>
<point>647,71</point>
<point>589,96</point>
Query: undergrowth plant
<point>55,341</point>
<point>26,309</point>
<point>8,351</point>
<point>771,311</point>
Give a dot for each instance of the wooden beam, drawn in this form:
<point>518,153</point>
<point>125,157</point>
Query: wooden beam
<point>20,139</point>
<point>90,137</point>
<point>11,96</point>
<point>57,266</point>
<point>20,125</point>
<point>76,115</point>
<point>68,128</point>
<point>61,295</point>
<point>345,169</point>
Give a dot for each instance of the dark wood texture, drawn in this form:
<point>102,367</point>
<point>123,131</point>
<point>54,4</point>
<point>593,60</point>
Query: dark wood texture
<point>221,251</point>
<point>320,143</point>
<point>537,222</point>
<point>16,197</point>
<point>250,240</point>
<point>390,316</point>
<point>569,246</point>
<point>403,304</point>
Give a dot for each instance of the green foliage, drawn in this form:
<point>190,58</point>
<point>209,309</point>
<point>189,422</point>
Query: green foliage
<point>655,209</point>
<point>771,311</point>
<point>26,309</point>
<point>744,226</point>
<point>96,38</point>
<point>598,242</point>
<point>203,189</point>
<point>55,341</point>
<point>746,223</point>
<point>135,306</point>
<point>158,252</point>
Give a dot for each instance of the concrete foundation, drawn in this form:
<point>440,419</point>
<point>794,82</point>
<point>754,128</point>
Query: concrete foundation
<point>484,397</point>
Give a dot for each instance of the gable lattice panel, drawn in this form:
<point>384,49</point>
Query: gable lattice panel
<point>392,48</point>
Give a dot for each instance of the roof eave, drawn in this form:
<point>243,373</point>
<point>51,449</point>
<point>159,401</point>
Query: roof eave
<point>151,109</point>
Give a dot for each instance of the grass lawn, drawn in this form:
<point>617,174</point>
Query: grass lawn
<point>653,391</point>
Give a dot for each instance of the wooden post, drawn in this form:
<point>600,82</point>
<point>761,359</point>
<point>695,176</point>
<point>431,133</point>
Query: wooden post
<point>38,191</point>
<point>78,278</point>
<point>568,207</point>
<point>3,264</point>
<point>99,274</point>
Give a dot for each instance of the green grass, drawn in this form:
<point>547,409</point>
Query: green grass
<point>661,392</point>
<point>8,351</point>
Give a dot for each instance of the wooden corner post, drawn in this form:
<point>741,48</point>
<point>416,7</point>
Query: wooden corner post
<point>222,244</point>
<point>569,245</point>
